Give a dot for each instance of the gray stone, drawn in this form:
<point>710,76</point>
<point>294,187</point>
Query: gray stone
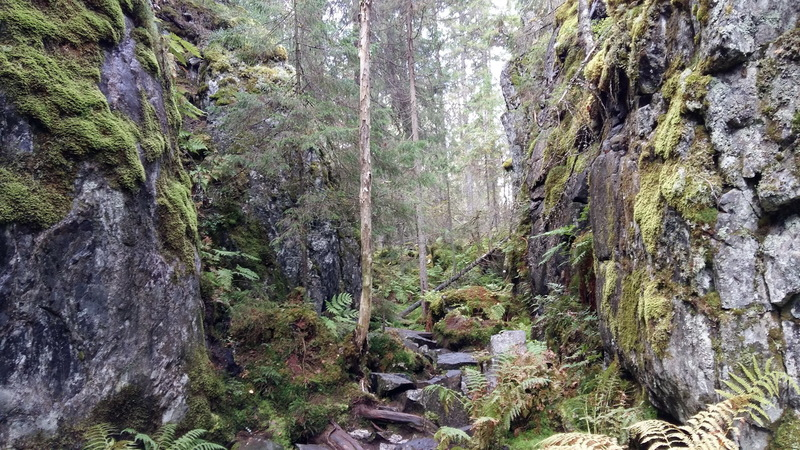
<point>735,261</point>
<point>414,395</point>
<point>451,380</point>
<point>419,338</point>
<point>420,444</point>
<point>257,443</point>
<point>362,434</point>
<point>387,384</point>
<point>791,337</point>
<point>508,341</point>
<point>15,132</point>
<point>453,414</point>
<point>683,382</point>
<point>455,360</point>
<point>312,447</point>
<point>782,262</point>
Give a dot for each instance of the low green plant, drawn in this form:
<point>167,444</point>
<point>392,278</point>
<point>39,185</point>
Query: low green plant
<point>521,385</point>
<point>105,437</point>
<point>340,317</point>
<point>712,428</point>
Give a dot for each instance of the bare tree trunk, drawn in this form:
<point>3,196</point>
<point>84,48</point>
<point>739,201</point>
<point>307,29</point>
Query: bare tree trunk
<point>412,90</point>
<point>585,26</point>
<point>365,200</point>
<point>297,63</point>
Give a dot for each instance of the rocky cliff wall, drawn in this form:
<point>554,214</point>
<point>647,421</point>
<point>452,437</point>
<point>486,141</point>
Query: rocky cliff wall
<point>99,294</point>
<point>678,133</point>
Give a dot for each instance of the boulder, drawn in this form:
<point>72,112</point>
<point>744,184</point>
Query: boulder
<point>387,384</point>
<point>455,360</point>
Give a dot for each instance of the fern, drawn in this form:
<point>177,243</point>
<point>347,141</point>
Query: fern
<point>447,397</point>
<point>552,251</point>
<point>164,439</point>
<point>580,441</point>
<point>341,316</point>
<point>496,312</point>
<point>101,437</point>
<point>447,436</point>
<point>760,386</point>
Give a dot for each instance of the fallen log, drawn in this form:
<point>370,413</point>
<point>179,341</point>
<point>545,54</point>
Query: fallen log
<point>396,417</point>
<point>454,278</point>
<point>338,439</point>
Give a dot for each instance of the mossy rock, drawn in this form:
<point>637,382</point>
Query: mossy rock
<point>388,354</point>
<point>50,71</point>
<point>456,331</point>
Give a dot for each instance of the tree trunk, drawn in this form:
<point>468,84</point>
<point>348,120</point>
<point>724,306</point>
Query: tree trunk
<point>412,91</point>
<point>365,200</point>
<point>297,64</point>
<point>585,26</point>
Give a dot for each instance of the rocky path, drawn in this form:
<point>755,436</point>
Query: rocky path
<point>405,418</point>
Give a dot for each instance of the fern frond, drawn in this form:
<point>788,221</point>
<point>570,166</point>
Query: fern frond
<point>580,441</point>
<point>446,436</point>
<point>192,441</point>
<point>475,381</point>
<point>98,437</point>
<point>447,397</point>
<point>657,435</point>
<point>147,442</point>
<point>165,436</point>
<point>496,312</point>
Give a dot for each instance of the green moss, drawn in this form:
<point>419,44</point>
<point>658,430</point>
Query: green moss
<point>25,200</point>
<point>147,58</point>
<point>555,185</point>
<point>648,208</point>
<point>626,321</point>
<point>128,407</point>
<point>177,218</point>
<point>205,388</point>
<point>787,435</point>
<point>610,280</point>
<point>669,131</point>
<point>689,191</point>
<point>656,312</point>
<point>387,353</point>
<point>701,11</point>
<point>49,68</point>
<point>596,69</point>
<point>152,138</point>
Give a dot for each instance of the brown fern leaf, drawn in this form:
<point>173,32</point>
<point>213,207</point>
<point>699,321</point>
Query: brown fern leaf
<point>658,435</point>
<point>709,428</point>
<point>580,441</point>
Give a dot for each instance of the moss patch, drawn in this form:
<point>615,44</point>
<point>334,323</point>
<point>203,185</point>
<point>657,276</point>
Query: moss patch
<point>555,185</point>
<point>626,321</point>
<point>656,313</point>
<point>25,200</point>
<point>49,69</point>
<point>648,208</point>
<point>177,218</point>
<point>787,435</point>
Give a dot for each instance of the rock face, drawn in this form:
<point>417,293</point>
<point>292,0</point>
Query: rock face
<point>678,135</point>
<point>99,294</point>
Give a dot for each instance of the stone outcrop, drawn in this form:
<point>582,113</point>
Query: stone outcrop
<point>99,293</point>
<point>678,135</point>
